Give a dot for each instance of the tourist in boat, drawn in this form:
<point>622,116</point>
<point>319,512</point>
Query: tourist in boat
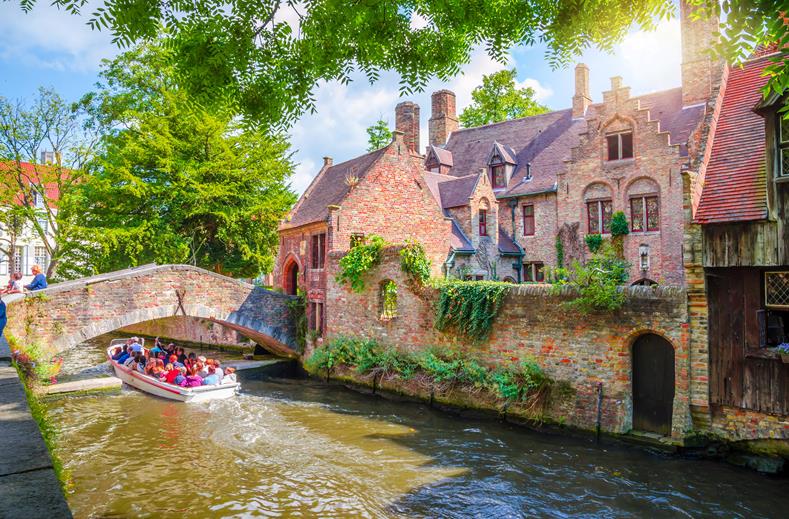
<point>230,376</point>
<point>218,367</point>
<point>174,361</point>
<point>212,379</point>
<point>39,279</point>
<point>170,372</point>
<point>202,368</point>
<point>157,349</point>
<point>180,378</point>
<point>193,379</point>
<point>181,354</point>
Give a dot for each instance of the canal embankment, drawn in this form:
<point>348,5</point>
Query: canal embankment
<point>29,485</point>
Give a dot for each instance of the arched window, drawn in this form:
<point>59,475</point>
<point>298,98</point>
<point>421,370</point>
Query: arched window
<point>387,299</point>
<point>644,203</point>
<point>599,208</point>
<point>509,279</point>
<point>484,206</point>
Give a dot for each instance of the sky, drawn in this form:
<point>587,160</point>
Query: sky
<point>50,48</point>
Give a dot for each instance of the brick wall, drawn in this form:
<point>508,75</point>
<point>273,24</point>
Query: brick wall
<point>190,329</point>
<point>582,350</point>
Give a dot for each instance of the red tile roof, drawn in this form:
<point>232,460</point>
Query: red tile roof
<point>329,188</point>
<point>735,184</point>
<point>31,173</point>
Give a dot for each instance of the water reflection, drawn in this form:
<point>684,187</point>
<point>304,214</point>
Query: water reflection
<point>301,448</point>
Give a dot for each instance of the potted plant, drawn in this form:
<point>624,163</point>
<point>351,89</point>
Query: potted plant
<point>783,351</point>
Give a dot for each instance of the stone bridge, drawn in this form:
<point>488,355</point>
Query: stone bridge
<point>69,313</point>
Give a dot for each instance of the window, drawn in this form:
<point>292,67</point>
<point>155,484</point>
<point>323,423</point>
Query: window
<point>316,317</point>
<point>387,296</point>
<point>599,215</point>
<point>44,223</point>
<point>473,277</point>
<point>41,258</point>
<point>528,220</point>
<point>776,289</point>
<point>644,214</point>
<point>783,146</point>
<point>620,146</point>
<point>19,255</point>
<point>498,176</point>
<point>534,272</point>
<point>318,250</point>
<point>483,222</point>
<point>38,200</point>
<point>357,238</point>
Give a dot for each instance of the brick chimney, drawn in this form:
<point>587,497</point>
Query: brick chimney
<point>407,121</point>
<point>699,70</point>
<point>443,117</point>
<point>581,99</point>
<point>327,162</point>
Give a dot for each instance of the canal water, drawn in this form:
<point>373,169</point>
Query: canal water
<point>301,448</point>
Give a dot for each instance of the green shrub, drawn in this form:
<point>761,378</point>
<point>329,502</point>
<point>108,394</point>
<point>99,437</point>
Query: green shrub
<point>619,226</point>
<point>559,252</point>
<point>468,308</point>
<point>414,262</point>
<point>597,282</point>
<point>358,262</point>
<point>594,242</point>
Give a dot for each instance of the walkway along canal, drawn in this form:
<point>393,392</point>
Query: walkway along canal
<point>293,446</point>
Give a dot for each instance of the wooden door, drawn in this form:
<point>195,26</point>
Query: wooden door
<point>653,384</point>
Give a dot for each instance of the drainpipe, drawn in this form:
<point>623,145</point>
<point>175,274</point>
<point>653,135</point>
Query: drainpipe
<point>448,264</point>
<point>519,263</point>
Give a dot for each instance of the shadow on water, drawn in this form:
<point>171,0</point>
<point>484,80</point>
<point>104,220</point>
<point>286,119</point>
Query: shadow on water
<point>301,447</point>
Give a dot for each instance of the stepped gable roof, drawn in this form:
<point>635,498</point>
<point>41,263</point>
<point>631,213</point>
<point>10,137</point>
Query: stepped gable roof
<point>735,183</point>
<point>450,191</point>
<point>329,188</point>
<point>459,241</point>
<point>545,141</point>
<point>444,156</point>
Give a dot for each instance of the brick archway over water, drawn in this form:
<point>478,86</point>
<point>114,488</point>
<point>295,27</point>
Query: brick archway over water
<point>69,313</point>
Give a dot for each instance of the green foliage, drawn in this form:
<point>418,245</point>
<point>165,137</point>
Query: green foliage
<point>468,308</point>
<point>388,299</point>
<point>172,183</point>
<point>414,262</point>
<point>619,226</point>
<point>598,282</point>
<point>298,314</point>
<point>358,262</point>
<point>499,99</point>
<point>378,135</point>
<point>444,367</point>
<point>559,252</point>
<point>594,242</point>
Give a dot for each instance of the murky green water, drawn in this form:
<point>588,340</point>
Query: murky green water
<point>296,448</point>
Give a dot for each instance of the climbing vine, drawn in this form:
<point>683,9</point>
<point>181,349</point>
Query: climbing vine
<point>468,308</point>
<point>388,299</point>
<point>559,252</point>
<point>414,262</point>
<point>619,229</point>
<point>358,262</point>
<point>298,313</point>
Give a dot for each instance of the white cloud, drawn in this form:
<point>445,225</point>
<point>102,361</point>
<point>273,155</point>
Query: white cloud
<point>651,57</point>
<point>541,93</point>
<point>52,39</point>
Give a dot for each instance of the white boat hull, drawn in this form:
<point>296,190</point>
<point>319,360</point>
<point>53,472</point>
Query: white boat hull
<point>164,390</point>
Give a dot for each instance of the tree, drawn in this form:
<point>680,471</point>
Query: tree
<point>378,135</point>
<point>173,183</point>
<point>34,194</point>
<point>499,99</point>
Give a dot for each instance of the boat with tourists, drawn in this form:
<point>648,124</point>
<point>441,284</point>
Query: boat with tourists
<point>161,388</point>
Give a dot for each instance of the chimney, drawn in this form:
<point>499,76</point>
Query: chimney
<point>581,99</point>
<point>698,67</point>
<point>47,157</point>
<point>407,121</point>
<point>327,162</point>
<point>443,117</point>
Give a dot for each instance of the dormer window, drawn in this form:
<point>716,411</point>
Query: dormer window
<point>620,146</point>
<point>783,146</point>
<point>498,176</point>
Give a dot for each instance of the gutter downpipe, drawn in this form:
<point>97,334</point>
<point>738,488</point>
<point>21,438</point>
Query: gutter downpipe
<point>449,263</point>
<point>521,252</point>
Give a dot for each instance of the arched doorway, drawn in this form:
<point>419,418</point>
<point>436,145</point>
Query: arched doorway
<point>653,384</point>
<point>291,280</point>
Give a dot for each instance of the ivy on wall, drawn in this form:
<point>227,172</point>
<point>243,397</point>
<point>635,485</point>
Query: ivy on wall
<point>468,308</point>
<point>359,261</point>
<point>414,262</point>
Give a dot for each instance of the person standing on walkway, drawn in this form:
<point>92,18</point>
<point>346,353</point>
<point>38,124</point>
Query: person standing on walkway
<point>39,280</point>
<point>3,318</point>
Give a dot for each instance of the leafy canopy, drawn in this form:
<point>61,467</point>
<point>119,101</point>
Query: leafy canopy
<point>500,99</point>
<point>172,183</point>
<point>378,135</point>
<point>265,58</point>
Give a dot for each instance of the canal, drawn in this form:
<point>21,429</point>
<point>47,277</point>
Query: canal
<point>301,448</point>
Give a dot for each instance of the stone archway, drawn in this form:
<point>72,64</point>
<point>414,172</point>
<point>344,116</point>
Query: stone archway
<point>653,384</point>
<point>291,277</point>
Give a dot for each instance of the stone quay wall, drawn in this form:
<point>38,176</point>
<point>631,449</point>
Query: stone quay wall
<point>582,350</point>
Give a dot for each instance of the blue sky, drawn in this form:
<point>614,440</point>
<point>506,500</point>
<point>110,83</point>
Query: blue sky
<point>53,49</point>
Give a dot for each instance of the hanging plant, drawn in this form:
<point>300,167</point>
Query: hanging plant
<point>469,308</point>
<point>619,229</point>
<point>358,262</point>
<point>414,262</point>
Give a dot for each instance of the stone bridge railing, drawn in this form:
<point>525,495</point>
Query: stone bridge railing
<point>69,313</point>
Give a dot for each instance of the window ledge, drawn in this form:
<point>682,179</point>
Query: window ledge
<point>645,233</point>
<point>618,163</point>
<point>761,353</point>
<point>781,180</point>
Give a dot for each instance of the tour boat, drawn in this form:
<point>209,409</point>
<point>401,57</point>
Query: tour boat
<point>162,389</point>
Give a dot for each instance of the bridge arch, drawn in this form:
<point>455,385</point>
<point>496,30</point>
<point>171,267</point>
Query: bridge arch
<point>67,314</point>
